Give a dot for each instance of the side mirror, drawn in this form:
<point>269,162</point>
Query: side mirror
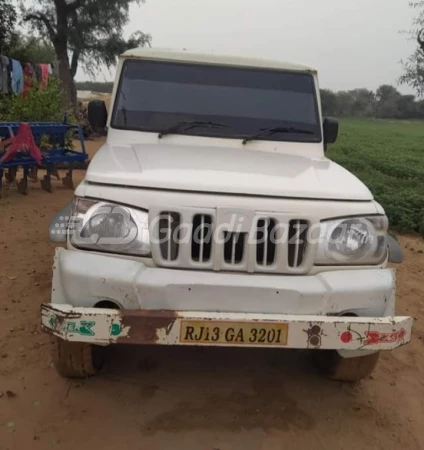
<point>97,114</point>
<point>331,130</point>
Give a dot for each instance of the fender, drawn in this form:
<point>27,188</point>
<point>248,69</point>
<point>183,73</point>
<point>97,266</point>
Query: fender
<point>395,250</point>
<point>59,224</point>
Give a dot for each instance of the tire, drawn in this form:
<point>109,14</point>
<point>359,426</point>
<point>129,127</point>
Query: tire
<point>76,359</point>
<point>346,369</point>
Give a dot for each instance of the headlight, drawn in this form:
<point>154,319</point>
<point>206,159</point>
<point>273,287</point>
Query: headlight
<point>109,227</point>
<point>356,240</point>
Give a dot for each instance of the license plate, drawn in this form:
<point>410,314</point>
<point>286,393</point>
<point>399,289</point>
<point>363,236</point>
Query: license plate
<point>233,333</point>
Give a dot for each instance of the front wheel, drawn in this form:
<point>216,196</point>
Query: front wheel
<point>345,369</point>
<point>76,359</point>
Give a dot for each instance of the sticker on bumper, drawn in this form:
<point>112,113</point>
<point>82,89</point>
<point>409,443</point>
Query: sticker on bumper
<point>81,327</point>
<point>373,337</point>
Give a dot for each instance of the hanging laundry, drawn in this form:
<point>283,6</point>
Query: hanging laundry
<point>38,75</point>
<point>17,83</point>
<point>18,77</point>
<point>4,74</point>
<point>28,78</point>
<point>55,70</point>
<point>44,74</point>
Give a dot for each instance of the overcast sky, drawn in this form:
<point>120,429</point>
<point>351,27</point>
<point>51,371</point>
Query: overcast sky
<point>352,43</point>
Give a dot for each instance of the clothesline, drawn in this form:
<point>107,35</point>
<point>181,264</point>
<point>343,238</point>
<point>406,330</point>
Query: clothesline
<point>18,77</point>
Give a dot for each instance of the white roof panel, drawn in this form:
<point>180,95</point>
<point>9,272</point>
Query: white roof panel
<point>213,58</point>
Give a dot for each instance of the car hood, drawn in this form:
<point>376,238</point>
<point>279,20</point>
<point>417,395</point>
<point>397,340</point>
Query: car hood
<point>224,170</point>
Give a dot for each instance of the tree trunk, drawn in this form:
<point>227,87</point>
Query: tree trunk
<point>68,100</point>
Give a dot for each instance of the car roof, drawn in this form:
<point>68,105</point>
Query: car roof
<point>212,58</point>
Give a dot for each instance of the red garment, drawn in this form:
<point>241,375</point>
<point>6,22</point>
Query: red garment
<point>28,79</point>
<point>24,140</point>
<point>44,74</point>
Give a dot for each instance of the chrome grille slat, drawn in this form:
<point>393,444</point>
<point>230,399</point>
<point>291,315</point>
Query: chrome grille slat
<point>168,223</point>
<point>265,248</point>
<point>265,257</point>
<point>233,249</point>
<point>201,245</point>
<point>202,237</point>
<point>297,242</point>
<point>169,237</point>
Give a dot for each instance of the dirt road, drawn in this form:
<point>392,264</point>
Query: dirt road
<point>186,398</point>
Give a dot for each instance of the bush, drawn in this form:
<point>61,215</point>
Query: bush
<point>40,105</point>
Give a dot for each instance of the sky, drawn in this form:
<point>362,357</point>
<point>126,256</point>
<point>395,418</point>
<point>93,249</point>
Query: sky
<point>352,43</point>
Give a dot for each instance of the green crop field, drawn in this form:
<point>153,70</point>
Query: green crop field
<point>388,156</point>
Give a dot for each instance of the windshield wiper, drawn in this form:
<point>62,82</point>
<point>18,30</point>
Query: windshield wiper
<point>275,130</point>
<point>187,125</point>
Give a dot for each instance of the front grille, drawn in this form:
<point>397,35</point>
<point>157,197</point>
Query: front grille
<point>274,243</point>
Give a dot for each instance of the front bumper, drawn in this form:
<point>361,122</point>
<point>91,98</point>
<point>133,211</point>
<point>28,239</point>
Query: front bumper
<point>156,305</point>
<point>105,326</point>
<point>84,279</point>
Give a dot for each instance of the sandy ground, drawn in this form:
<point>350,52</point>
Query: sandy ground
<point>188,398</point>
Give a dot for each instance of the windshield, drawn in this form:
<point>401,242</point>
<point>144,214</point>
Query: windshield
<point>156,96</point>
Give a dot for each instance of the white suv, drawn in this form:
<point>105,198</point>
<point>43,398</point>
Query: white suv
<point>212,216</point>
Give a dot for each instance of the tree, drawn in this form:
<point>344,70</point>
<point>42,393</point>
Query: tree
<point>328,102</point>
<point>8,19</point>
<point>84,31</point>
<point>407,107</point>
<point>414,65</point>
<point>362,102</point>
<point>387,101</point>
<point>31,48</point>
<point>344,103</point>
